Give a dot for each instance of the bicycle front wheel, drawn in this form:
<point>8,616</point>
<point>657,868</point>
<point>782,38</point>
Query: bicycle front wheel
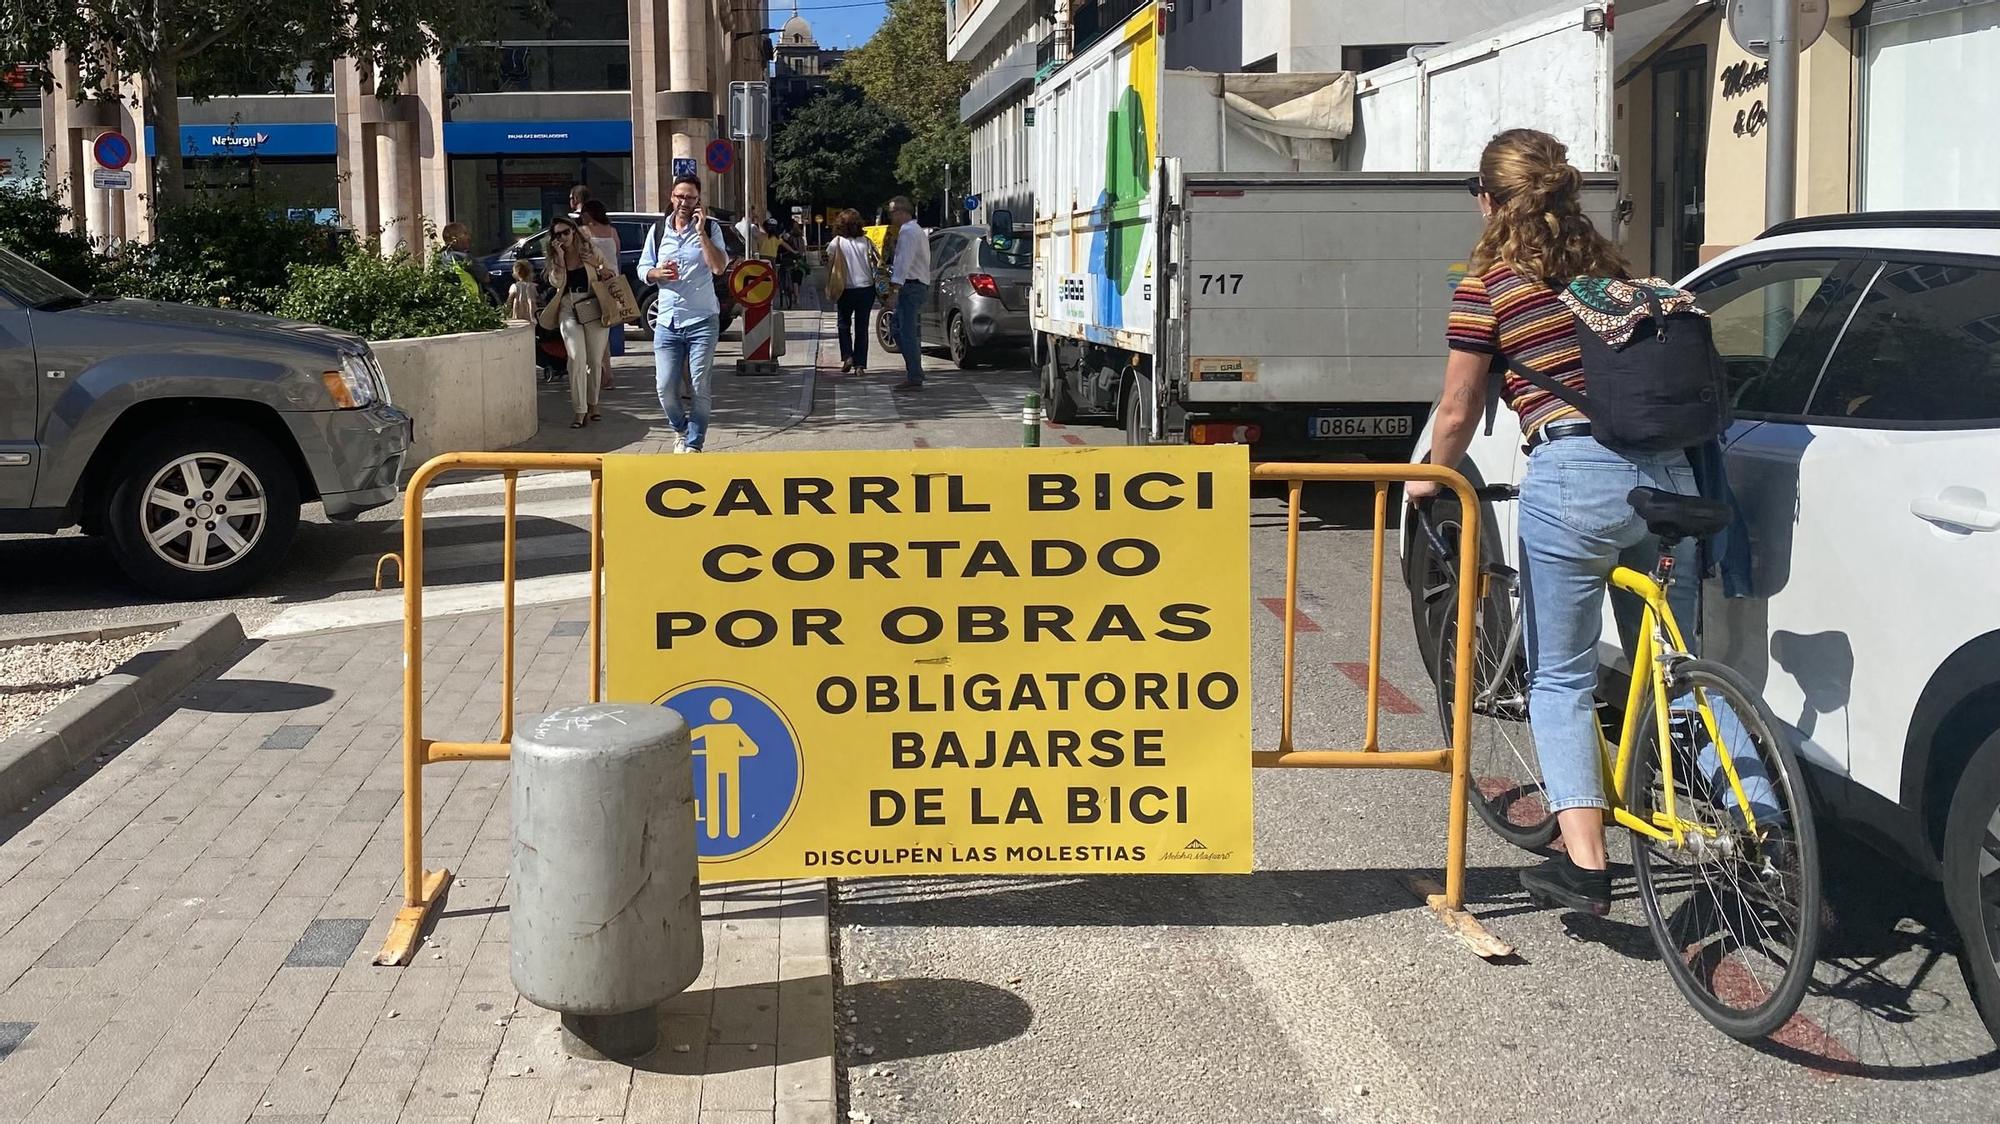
<point>1734,908</point>
<point>1505,782</point>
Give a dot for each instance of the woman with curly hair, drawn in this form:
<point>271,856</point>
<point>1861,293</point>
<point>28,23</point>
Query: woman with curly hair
<point>1575,521</point>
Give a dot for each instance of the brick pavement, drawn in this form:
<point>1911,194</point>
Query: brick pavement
<point>186,926</point>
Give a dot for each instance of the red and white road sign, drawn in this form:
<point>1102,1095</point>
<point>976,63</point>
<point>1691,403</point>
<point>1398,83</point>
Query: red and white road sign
<point>754,282</point>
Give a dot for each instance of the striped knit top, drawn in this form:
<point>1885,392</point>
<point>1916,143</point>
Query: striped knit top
<point>1501,313</point>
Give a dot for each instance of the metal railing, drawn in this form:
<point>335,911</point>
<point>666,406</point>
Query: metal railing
<point>1452,759</point>
<point>423,890</point>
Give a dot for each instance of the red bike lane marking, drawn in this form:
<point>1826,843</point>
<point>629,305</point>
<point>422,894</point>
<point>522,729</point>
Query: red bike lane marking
<point>1300,621</point>
<point>1072,438</point>
<point>1734,984</point>
<point>1394,700</point>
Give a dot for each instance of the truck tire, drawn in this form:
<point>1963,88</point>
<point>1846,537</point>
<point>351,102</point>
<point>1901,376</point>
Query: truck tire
<point>202,510</point>
<point>1057,401</point>
<point>1136,397</point>
<point>1971,847</point>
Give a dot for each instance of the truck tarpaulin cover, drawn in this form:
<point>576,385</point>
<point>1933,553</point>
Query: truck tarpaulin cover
<point>1298,116</point>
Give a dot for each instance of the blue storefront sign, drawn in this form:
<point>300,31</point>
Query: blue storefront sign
<point>530,137</point>
<point>237,139</point>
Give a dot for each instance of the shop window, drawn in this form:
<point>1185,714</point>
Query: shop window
<point>1927,136</point>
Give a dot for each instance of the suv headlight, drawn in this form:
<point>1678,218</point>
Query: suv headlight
<point>357,383</point>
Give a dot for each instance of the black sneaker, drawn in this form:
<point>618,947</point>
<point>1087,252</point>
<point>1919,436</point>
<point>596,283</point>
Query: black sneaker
<point>1561,882</point>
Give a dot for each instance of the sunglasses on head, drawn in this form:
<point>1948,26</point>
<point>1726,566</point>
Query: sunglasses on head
<point>1473,185</point>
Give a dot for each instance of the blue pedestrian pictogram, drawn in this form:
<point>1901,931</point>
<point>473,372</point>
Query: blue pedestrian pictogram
<point>747,768</point>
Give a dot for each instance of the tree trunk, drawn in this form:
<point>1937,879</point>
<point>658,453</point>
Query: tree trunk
<point>163,107</point>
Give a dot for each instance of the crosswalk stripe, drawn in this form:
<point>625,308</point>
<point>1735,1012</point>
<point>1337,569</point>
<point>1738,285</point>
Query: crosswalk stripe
<point>444,601</point>
<point>538,482</point>
<point>534,548</point>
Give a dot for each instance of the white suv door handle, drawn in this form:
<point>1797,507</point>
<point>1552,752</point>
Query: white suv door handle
<point>1952,509</point>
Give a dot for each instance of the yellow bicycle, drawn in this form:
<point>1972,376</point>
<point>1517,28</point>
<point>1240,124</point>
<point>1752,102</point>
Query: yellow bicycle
<point>1722,835</point>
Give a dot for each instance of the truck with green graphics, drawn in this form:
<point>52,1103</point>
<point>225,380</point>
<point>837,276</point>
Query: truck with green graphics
<point>1267,259</point>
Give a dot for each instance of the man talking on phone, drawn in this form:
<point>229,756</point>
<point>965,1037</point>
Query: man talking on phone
<point>683,255</point>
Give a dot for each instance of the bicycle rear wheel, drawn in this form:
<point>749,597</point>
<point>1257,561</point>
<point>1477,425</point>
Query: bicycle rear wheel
<point>1735,913</point>
<point>1505,785</point>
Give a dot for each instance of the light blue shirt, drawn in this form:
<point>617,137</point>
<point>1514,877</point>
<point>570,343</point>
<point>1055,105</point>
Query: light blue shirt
<point>692,297</point>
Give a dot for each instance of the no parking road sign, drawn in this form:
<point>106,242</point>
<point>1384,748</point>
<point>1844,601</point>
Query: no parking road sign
<point>112,150</point>
<point>721,156</point>
<point>754,282</point>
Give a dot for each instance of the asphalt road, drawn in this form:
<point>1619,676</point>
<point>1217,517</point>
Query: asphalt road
<point>1318,988</point>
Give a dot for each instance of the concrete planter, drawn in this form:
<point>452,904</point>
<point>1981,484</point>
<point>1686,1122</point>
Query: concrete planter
<point>472,392</point>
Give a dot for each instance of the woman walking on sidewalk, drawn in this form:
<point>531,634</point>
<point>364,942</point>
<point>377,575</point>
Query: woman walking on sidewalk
<point>851,263</point>
<point>604,236</point>
<point>573,261</point>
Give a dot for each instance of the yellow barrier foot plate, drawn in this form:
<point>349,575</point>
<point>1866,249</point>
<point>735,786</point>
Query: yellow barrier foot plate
<point>411,921</point>
<point>1463,925</point>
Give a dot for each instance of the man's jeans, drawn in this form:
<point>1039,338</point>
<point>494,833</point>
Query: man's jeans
<point>909,328</point>
<point>1576,524</point>
<point>683,354</point>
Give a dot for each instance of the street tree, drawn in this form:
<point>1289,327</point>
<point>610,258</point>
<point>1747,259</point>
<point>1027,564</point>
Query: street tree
<point>838,149</point>
<point>903,69</point>
<point>204,48</point>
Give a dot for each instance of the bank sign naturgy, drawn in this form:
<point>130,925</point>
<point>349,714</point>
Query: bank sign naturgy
<point>1028,661</point>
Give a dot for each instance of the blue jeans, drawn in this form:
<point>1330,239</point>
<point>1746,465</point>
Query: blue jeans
<point>1576,524</point>
<point>683,358</point>
<point>909,329</point>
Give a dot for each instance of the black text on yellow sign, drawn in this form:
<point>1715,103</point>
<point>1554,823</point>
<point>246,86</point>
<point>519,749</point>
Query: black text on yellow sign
<point>985,661</point>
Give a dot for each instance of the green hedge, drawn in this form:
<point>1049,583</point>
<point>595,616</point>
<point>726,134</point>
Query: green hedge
<point>235,252</point>
<point>386,298</point>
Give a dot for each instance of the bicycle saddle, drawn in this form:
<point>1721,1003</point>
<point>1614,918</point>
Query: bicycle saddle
<point>1673,516</point>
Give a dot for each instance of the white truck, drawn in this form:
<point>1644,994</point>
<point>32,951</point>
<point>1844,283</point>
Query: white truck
<point>1268,259</point>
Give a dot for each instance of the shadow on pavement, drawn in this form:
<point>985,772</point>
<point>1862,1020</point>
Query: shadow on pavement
<point>252,696</point>
<point>914,1018</point>
<point>1263,898</point>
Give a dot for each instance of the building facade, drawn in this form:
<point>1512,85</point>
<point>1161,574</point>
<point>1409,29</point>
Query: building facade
<point>616,95</point>
<point>800,67</point>
<point>1004,42</point>
<point>1896,102</point>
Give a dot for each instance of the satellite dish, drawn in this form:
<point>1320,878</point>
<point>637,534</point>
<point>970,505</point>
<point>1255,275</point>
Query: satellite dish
<point>1750,23</point>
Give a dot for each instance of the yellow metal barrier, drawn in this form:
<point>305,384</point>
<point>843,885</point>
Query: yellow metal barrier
<point>1453,759</point>
<point>422,889</point>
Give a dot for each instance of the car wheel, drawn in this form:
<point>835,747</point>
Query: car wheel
<point>1972,878</point>
<point>1056,398</point>
<point>202,511</point>
<point>649,312</point>
<point>960,344</point>
<point>885,332</point>
<point>1135,411</point>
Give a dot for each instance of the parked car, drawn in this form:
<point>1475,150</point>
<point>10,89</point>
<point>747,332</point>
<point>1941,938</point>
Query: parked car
<point>978,301</point>
<point>1863,354</point>
<point>632,227</point>
<point>187,437</point>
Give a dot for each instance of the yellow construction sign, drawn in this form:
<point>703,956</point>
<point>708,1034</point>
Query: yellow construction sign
<point>1010,661</point>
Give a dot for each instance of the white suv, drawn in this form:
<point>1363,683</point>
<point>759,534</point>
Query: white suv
<point>1864,363</point>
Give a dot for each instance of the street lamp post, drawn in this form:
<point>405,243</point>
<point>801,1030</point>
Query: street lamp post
<point>1781,135</point>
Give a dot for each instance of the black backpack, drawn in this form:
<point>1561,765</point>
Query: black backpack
<point>1655,381</point>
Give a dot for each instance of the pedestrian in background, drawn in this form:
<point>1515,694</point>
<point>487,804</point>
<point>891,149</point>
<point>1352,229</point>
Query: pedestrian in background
<point>851,263</point>
<point>597,224</point>
<point>578,196</point>
<point>524,298</point>
<point>909,284</point>
<point>572,263</point>
<point>683,255</point>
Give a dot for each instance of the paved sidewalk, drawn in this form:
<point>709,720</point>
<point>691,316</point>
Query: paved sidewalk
<point>185,932</point>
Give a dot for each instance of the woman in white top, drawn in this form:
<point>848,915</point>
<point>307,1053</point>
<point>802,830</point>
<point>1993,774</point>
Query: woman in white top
<point>851,262</point>
<point>604,236</point>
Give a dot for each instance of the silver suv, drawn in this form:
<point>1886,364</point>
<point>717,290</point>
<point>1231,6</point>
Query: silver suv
<point>186,437</point>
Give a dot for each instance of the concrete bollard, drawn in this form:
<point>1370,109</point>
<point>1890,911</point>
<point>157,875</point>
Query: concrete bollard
<point>607,905</point>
